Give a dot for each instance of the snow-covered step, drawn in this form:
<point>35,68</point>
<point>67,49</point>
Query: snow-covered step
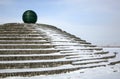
<point>85,58</point>
<point>10,64</point>
<point>52,54</point>
<point>61,41</point>
<point>37,71</point>
<point>43,71</point>
<point>76,45</point>
<point>89,62</point>
<point>90,53</point>
<point>93,65</point>
<point>115,60</point>
<point>32,57</point>
<point>90,48</point>
<point>64,44</point>
<point>79,56</point>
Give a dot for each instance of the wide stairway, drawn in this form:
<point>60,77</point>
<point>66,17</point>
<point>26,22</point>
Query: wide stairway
<point>39,49</point>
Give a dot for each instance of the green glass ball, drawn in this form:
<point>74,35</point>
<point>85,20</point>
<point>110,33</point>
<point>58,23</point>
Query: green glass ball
<point>29,16</point>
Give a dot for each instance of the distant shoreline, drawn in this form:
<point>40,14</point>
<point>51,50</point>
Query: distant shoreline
<point>109,46</point>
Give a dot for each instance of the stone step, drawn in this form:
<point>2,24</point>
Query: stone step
<point>91,48</point>
<point>25,46</point>
<point>24,42</point>
<point>23,38</point>
<point>22,35</point>
<point>28,51</point>
<point>32,57</point>
<point>34,73</point>
<point>19,33</point>
<point>87,45</point>
<point>7,28</point>
<point>108,56</point>
<point>83,42</point>
<point>89,53</point>
<point>101,52</point>
<point>43,71</point>
<point>12,29</point>
<point>32,64</point>
<point>114,62</point>
<point>17,29</point>
<point>81,45</point>
<point>89,62</point>
<point>44,63</point>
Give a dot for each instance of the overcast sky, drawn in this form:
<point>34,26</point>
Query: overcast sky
<point>97,21</point>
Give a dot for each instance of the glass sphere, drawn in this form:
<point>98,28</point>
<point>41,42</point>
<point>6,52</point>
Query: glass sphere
<point>29,16</point>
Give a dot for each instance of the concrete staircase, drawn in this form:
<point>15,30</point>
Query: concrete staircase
<point>39,49</point>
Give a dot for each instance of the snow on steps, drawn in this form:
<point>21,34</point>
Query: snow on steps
<point>44,71</point>
<point>39,49</point>
<point>33,56</point>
